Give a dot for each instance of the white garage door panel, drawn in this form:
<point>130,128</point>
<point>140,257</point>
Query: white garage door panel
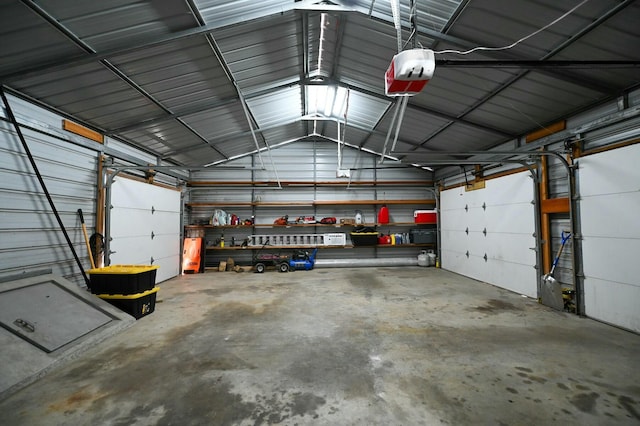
<point>475,220</point>
<point>510,223</point>
<point>165,246</point>
<point>452,219</point>
<point>456,240</point>
<point>140,210</point>
<point>166,223</point>
<point>512,218</point>
<point>610,172</point>
<point>512,189</point>
<point>130,251</point>
<point>608,206</point>
<point>452,199</point>
<point>514,248</point>
<point>169,268</point>
<point>514,277</point>
<point>139,195</point>
<point>609,184</point>
<point>615,260</point>
<point>457,262</point>
<point>137,249</point>
<point>612,302</point>
<point>131,223</point>
<point>141,223</point>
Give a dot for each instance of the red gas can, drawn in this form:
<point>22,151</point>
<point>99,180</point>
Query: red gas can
<point>383,215</point>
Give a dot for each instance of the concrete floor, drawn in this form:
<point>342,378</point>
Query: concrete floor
<point>374,346</point>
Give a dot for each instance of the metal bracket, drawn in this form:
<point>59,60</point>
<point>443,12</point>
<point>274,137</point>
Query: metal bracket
<point>485,257</point>
<point>467,230</point>
<point>484,206</point>
<point>467,254</point>
<point>152,260</point>
<point>466,208</point>
<point>484,231</point>
<point>152,235</point>
<point>153,210</point>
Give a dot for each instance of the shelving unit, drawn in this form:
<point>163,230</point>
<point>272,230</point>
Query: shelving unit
<point>251,228</point>
<point>305,199</point>
<point>347,246</point>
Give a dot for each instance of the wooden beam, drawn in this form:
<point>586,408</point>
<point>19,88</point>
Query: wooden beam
<point>72,127</point>
<point>309,203</point>
<point>545,222</point>
<point>546,131</point>
<point>475,185</point>
<point>555,205</point>
<point>486,178</point>
<point>312,183</point>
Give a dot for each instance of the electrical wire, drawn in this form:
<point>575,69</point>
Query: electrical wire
<point>515,43</point>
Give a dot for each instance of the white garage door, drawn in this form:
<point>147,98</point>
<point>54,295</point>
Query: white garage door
<point>145,226</point>
<point>609,205</point>
<point>488,234</point>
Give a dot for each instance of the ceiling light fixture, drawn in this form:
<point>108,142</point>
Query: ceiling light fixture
<point>324,23</point>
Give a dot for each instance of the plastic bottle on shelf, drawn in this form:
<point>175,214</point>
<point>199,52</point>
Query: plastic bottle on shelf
<point>222,241</point>
<point>359,217</point>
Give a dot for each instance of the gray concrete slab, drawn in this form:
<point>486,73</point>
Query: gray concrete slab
<point>370,346</point>
<point>71,321</point>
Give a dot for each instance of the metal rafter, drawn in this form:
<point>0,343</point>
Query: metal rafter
<point>109,66</point>
<point>553,52</point>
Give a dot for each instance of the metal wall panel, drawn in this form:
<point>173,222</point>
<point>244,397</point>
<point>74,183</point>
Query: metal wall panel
<point>622,131</point>
<point>30,237</point>
<point>29,234</point>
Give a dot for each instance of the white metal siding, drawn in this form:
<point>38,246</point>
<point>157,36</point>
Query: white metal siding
<point>508,217</point>
<point>30,238</point>
<point>610,201</point>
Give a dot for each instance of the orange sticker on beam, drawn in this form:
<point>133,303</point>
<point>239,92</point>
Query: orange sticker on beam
<point>72,127</point>
<point>548,130</point>
<point>555,205</point>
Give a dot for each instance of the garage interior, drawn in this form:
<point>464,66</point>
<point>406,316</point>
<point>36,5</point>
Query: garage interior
<point>196,136</point>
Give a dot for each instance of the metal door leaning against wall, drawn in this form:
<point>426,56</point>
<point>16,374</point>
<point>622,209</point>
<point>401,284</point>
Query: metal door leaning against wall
<point>145,226</point>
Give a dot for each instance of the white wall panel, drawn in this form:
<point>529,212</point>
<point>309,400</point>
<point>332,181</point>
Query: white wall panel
<point>609,185</point>
<point>509,219</point>
<point>140,210</point>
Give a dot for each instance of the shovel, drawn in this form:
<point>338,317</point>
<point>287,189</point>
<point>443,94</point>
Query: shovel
<point>551,291</point>
<point>86,238</point>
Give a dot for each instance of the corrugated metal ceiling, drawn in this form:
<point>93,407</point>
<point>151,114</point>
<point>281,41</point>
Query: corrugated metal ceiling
<point>171,77</point>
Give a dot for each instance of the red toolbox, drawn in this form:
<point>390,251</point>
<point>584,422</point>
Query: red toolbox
<point>425,216</point>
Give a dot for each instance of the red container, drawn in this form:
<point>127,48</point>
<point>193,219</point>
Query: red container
<point>383,215</point>
<point>425,216</point>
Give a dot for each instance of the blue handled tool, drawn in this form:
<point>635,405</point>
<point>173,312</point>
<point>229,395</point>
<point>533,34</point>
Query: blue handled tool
<point>565,237</point>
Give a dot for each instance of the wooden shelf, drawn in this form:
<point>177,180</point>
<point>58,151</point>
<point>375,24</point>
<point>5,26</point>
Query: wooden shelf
<point>303,225</point>
<point>348,246</point>
<point>271,183</point>
<point>308,203</point>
